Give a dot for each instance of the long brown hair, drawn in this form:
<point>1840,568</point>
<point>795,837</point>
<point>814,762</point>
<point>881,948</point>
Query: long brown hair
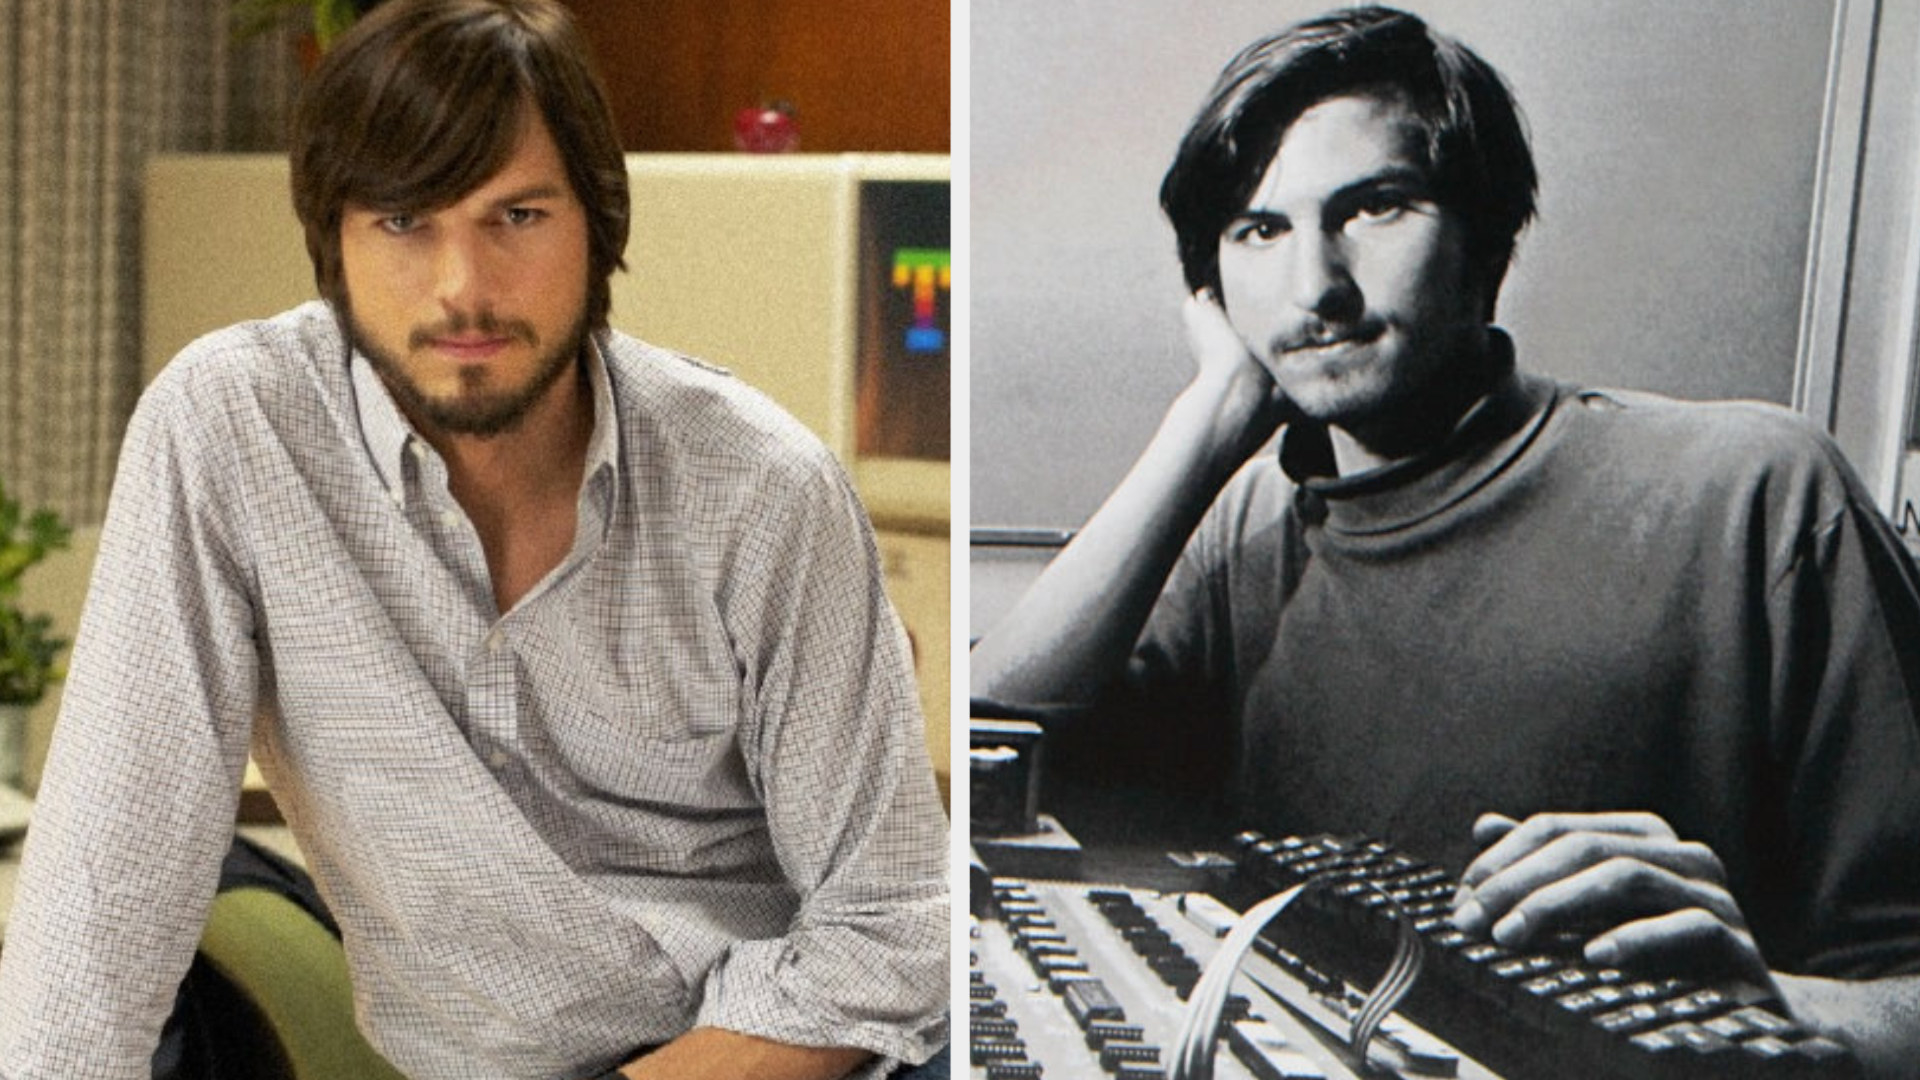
<point>421,102</point>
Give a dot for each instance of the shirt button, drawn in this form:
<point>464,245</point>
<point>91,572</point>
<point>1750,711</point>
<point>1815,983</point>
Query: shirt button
<point>448,517</point>
<point>419,451</point>
<point>495,640</point>
<point>498,759</point>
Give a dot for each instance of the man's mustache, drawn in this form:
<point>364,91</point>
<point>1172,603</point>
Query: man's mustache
<point>486,323</point>
<point>1317,334</point>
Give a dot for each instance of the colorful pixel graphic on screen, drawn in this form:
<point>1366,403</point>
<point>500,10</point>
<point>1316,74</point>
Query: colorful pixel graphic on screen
<point>928,272</point>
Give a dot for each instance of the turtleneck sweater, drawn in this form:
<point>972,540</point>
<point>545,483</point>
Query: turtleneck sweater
<point>1581,600</point>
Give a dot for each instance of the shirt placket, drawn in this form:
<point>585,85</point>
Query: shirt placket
<point>489,710</point>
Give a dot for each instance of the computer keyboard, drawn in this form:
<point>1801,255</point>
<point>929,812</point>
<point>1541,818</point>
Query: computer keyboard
<point>1537,1012</point>
<point>1076,981</point>
<point>1089,982</point>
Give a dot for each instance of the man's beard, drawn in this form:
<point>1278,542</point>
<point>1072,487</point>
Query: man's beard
<point>473,410</point>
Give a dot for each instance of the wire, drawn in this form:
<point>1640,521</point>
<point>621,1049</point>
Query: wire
<point>1195,1046</point>
<point>1408,956</point>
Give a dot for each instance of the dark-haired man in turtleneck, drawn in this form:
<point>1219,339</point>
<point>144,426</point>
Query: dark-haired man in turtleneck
<point>1635,667</point>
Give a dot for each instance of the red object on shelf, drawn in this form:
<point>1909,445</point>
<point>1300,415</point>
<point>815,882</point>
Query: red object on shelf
<point>766,129</point>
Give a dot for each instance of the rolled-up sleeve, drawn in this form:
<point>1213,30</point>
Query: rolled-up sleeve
<point>834,742</point>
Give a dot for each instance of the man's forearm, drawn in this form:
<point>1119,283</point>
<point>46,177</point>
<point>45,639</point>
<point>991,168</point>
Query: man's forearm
<point>1068,636</point>
<point>1878,1018</point>
<point>717,1054</point>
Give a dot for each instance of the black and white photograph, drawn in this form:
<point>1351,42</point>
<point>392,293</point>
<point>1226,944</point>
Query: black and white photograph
<point>1439,590</point>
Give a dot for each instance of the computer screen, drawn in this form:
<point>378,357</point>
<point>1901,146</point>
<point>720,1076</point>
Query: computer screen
<point>904,367</point>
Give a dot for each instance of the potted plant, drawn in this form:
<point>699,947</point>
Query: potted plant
<point>330,17</point>
<point>29,651</point>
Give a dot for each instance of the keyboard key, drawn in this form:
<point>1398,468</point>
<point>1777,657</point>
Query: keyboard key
<point>1089,1000</point>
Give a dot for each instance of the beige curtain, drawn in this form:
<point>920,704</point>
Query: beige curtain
<point>88,89</point>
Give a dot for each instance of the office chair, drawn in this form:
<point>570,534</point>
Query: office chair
<point>267,996</point>
<point>276,1003</point>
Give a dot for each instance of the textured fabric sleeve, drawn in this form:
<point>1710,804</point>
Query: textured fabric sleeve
<point>1181,633</point>
<point>1233,573</point>
<point>834,740</point>
<point>1846,620</point>
<point>1170,721</point>
<point>136,805</point>
<point>1161,726</point>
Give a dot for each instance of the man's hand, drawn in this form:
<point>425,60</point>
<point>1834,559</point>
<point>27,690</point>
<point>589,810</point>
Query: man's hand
<point>1644,895</point>
<point>707,1053</point>
<point>1250,406</point>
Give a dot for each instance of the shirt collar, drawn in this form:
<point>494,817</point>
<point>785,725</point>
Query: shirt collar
<point>603,446</point>
<point>385,432</point>
<point>388,435</point>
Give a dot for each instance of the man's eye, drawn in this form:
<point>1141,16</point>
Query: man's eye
<point>1261,230</point>
<point>1381,206</point>
<point>399,224</point>
<point>524,215</point>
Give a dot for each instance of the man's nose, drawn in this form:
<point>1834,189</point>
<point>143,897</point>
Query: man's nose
<point>1322,279</point>
<point>460,271</point>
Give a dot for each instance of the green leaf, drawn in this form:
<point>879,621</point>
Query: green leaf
<point>46,531</point>
<point>331,18</point>
<point>29,651</point>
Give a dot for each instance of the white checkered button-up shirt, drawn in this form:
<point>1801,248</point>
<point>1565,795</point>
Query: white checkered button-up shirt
<point>681,782</point>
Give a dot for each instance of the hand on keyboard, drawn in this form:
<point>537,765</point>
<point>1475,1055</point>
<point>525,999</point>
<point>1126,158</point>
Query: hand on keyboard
<point>1641,895</point>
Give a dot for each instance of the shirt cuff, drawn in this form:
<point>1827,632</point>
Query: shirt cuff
<point>756,991</point>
